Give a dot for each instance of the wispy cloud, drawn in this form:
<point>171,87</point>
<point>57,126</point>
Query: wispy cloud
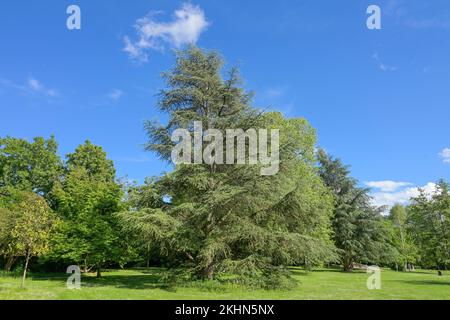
<point>387,186</point>
<point>37,86</point>
<point>115,94</point>
<point>382,65</point>
<point>109,99</point>
<point>34,84</point>
<point>445,155</point>
<point>31,86</point>
<point>431,23</point>
<point>414,14</point>
<point>274,92</point>
<point>279,98</point>
<point>11,85</point>
<point>397,192</point>
<point>188,23</point>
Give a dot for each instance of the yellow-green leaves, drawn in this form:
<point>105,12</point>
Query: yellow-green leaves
<point>33,227</point>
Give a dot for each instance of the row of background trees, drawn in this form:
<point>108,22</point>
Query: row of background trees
<point>208,220</point>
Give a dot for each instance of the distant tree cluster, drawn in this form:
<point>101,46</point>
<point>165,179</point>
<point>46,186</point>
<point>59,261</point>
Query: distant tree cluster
<point>417,234</point>
<point>212,221</point>
<point>427,229</point>
<point>59,211</point>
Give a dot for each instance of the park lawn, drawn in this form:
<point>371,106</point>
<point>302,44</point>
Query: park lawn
<point>146,284</point>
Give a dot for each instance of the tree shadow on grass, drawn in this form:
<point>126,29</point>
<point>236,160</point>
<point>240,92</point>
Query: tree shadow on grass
<point>146,280</point>
<point>47,276</point>
<point>139,282</point>
<point>302,272</point>
<point>425,282</point>
<point>432,272</point>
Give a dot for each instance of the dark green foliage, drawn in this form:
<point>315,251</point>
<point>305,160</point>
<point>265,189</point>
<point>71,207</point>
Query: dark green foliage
<point>359,230</point>
<point>228,219</point>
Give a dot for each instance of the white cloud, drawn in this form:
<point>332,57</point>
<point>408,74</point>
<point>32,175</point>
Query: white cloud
<point>394,7</point>
<point>430,23</point>
<point>52,93</point>
<point>400,195</point>
<point>381,65</point>
<point>274,92</point>
<point>403,13</point>
<point>189,22</point>
<point>115,94</point>
<point>445,155</point>
<point>30,87</point>
<point>387,186</point>
<point>36,86</point>
<point>9,84</point>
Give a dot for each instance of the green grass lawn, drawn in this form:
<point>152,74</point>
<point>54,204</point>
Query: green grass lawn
<point>146,284</point>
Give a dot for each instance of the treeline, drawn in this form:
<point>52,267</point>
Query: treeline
<point>415,235</point>
<point>207,221</point>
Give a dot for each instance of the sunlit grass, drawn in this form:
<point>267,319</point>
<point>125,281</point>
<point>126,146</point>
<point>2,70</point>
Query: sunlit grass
<point>147,284</point>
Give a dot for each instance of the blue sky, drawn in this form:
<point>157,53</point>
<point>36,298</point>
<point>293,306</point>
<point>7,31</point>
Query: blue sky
<point>379,99</point>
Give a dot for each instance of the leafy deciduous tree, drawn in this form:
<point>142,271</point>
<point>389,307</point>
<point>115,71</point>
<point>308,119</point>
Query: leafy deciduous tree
<point>87,199</point>
<point>29,228</point>
<point>430,219</point>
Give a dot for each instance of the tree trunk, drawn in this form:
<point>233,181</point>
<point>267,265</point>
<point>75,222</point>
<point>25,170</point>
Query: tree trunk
<point>209,272</point>
<point>148,256</point>
<point>348,264</point>
<point>99,274</point>
<point>9,263</point>
<point>85,266</point>
<point>27,259</point>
